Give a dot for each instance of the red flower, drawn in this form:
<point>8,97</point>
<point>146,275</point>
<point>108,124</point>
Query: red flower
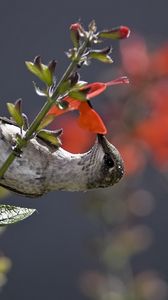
<point>88,117</point>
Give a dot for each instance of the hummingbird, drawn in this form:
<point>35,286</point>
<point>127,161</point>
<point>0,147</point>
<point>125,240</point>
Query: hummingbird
<point>42,168</point>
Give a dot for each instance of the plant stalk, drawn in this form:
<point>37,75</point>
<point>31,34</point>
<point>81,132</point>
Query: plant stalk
<point>46,107</point>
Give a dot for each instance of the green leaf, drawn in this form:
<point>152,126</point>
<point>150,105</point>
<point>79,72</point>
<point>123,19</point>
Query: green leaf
<point>50,136</point>
<point>15,114</point>
<point>12,214</point>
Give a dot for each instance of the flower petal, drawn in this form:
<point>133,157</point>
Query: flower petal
<point>73,105</point>
<point>94,88</point>
<point>120,80</point>
<point>90,120</point>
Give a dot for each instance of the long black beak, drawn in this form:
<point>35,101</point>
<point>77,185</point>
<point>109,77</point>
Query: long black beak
<point>103,142</point>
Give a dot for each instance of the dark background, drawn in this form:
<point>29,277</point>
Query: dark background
<point>48,250</point>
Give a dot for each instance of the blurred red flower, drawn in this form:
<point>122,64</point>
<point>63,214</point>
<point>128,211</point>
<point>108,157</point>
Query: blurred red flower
<point>144,106</point>
<point>142,65</point>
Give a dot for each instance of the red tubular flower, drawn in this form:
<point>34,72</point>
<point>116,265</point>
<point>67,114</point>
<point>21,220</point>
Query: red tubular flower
<point>88,118</point>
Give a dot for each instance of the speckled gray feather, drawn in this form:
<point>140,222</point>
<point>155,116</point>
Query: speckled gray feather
<point>43,168</point>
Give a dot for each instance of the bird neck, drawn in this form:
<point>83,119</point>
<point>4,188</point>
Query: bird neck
<point>72,172</point>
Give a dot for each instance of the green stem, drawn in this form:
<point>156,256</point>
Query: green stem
<point>35,124</point>
<point>7,163</point>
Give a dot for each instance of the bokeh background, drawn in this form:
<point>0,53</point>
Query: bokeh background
<point>49,251</point>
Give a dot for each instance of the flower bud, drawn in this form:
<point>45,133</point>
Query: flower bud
<point>120,32</point>
<point>76,31</point>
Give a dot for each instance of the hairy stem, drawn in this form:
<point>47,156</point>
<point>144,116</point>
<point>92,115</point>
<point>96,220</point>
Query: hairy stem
<point>35,124</point>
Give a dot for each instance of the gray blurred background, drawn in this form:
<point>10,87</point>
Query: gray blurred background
<point>49,250</point>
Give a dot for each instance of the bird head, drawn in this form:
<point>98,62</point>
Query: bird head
<point>105,164</point>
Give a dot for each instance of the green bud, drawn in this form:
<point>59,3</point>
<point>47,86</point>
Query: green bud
<point>75,37</point>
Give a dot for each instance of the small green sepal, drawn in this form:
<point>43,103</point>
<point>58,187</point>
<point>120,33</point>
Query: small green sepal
<point>65,87</point>
<point>46,121</point>
<point>102,55</point>
<point>78,95</point>
<point>74,78</point>
<point>51,137</point>
<point>15,112</point>
<point>38,91</point>
<point>43,72</point>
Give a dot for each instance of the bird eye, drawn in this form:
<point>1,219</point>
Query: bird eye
<point>108,160</point>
